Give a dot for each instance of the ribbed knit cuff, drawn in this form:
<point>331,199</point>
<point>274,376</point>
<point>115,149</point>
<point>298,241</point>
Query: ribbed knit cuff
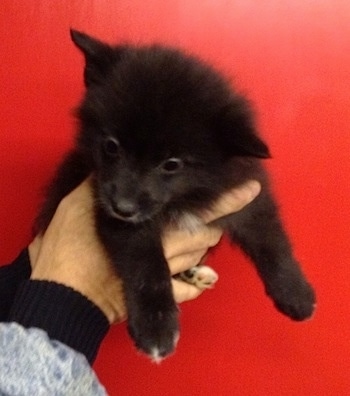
<point>11,276</point>
<point>66,315</point>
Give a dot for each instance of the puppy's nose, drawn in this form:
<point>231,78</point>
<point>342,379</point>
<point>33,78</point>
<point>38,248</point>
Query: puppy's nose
<point>126,208</point>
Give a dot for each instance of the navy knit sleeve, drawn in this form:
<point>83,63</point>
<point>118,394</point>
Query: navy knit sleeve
<point>11,276</point>
<point>63,313</point>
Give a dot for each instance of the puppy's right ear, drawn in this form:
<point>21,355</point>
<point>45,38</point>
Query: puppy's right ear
<point>99,57</point>
<point>238,134</point>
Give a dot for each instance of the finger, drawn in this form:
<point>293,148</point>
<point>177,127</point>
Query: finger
<point>184,292</point>
<point>82,195</point>
<point>34,249</point>
<point>178,242</point>
<point>184,262</point>
<point>232,201</point>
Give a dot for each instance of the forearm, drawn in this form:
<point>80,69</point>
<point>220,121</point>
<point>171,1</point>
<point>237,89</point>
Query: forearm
<point>56,335</point>
<point>64,314</point>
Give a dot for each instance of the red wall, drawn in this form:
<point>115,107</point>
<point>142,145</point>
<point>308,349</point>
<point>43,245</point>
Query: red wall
<point>293,59</point>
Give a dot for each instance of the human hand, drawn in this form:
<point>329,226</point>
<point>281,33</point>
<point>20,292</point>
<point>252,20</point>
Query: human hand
<point>70,253</point>
<point>184,249</point>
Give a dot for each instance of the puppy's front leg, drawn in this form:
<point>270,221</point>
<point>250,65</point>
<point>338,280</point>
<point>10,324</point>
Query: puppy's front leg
<point>259,231</point>
<point>138,257</point>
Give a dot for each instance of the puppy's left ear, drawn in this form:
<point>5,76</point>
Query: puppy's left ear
<point>238,133</point>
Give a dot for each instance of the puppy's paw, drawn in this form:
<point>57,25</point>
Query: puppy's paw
<point>295,299</point>
<point>155,333</point>
<point>201,276</point>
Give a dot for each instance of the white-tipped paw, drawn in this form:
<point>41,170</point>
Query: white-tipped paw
<point>201,276</point>
<point>157,355</point>
<point>155,333</point>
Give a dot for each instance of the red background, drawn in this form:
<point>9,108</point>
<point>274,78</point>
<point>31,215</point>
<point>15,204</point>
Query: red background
<point>293,60</point>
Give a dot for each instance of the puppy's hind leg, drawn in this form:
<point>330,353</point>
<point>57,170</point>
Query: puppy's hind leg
<point>201,276</point>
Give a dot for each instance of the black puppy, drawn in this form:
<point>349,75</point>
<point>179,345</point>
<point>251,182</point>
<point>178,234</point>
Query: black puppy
<point>164,135</point>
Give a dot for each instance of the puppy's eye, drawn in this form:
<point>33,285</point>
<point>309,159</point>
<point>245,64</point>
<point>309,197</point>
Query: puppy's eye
<point>172,165</point>
<point>111,147</point>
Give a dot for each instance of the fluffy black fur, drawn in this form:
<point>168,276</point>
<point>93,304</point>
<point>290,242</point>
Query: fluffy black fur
<point>164,135</point>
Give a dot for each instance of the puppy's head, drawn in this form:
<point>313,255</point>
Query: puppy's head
<point>161,128</point>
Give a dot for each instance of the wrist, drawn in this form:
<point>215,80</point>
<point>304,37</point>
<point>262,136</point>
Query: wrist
<point>64,314</point>
<point>107,296</point>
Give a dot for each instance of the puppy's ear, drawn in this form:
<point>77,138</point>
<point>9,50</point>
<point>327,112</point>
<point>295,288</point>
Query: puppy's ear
<point>99,57</point>
<point>238,133</point>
